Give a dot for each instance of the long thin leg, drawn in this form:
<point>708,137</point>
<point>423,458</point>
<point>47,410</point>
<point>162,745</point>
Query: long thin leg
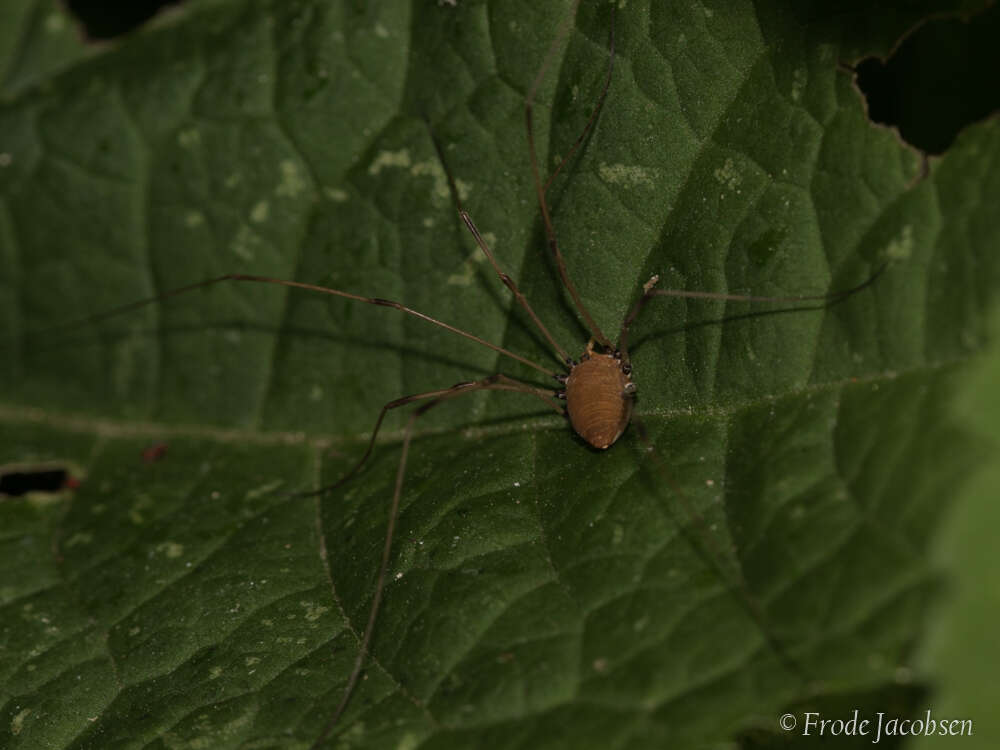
<point>507,280</point>
<point>509,283</point>
<point>648,291</point>
<point>594,112</point>
<point>297,285</point>
<point>493,382</point>
<point>550,232</point>
<point>711,550</point>
<point>500,382</point>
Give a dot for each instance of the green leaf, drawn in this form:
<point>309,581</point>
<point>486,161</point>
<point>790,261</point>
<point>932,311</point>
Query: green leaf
<point>541,594</point>
<point>958,648</point>
<point>37,40</point>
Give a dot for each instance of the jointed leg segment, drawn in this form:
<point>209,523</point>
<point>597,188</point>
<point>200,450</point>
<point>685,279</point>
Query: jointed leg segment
<point>649,291</point>
<point>171,293</point>
<point>504,278</point>
<point>541,189</point>
<point>495,382</point>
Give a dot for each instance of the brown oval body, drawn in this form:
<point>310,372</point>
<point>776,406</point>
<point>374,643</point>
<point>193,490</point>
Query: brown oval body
<point>599,399</point>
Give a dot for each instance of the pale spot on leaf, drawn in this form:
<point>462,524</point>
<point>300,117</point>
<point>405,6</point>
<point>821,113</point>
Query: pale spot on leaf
<point>900,247</point>
<point>467,273</point>
<point>293,182</point>
<point>260,212</point>
<point>189,138</point>
<point>627,175</point>
<point>17,723</point>
<point>384,159</point>
<point>172,550</point>
<point>314,611</point>
<point>799,79</point>
<point>728,175</point>
<point>263,489</point>
<point>433,169</point>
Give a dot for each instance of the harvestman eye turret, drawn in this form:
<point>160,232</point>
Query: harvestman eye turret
<point>595,392</point>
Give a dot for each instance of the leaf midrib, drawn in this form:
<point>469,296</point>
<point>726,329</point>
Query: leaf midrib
<point>16,415</point>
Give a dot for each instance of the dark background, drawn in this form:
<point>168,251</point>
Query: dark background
<point>942,77</point>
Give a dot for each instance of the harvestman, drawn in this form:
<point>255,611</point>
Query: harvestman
<point>597,389</point>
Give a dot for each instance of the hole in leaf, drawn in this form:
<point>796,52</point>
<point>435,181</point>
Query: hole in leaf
<point>940,79</point>
<point>17,482</point>
<point>105,20</point>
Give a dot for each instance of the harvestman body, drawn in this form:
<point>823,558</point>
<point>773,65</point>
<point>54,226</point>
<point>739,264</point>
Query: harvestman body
<point>597,389</point>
